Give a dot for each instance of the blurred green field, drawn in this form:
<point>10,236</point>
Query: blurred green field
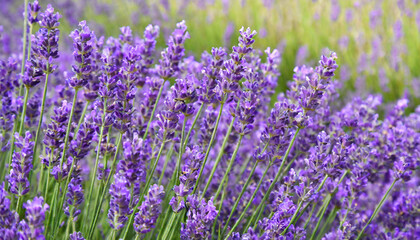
<point>381,58</point>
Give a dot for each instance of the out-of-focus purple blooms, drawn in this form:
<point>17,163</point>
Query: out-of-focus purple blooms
<point>200,217</point>
<point>227,36</point>
<point>33,10</point>
<point>76,236</point>
<point>84,47</point>
<point>398,30</point>
<point>301,55</point>
<point>149,210</point>
<point>119,204</point>
<point>335,10</point>
<point>375,17</point>
<point>33,227</point>
<point>21,165</point>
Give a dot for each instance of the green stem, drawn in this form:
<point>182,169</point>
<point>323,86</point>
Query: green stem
<point>111,173</point>
<point>25,105</point>
<point>51,215</point>
<point>25,25</point>
<point>347,212</point>
<point>219,156</point>
<point>249,203</point>
<point>31,27</point>
<point>82,118</point>
<point>240,197</point>
<point>289,148</point>
<point>166,232</point>
<point>18,204</point>
<point>293,217</point>
<point>98,150</point>
<point>320,218</point>
<point>66,139</point>
<point>197,115</point>
<point>378,207</point>
<point>41,116</point>
<point>232,160</point>
<point>168,157</point>
<point>213,135</point>
<point>145,189</point>
<point>276,178</point>
<point>327,225</point>
<point>181,151</point>
<point>154,109</point>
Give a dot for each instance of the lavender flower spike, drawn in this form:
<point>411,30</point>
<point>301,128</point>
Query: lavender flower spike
<point>21,165</point>
<point>149,210</point>
<point>35,216</point>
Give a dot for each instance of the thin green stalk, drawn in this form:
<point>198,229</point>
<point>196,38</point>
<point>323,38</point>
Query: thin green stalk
<point>219,209</point>
<point>249,203</point>
<point>240,196</point>
<point>166,232</point>
<point>25,105</point>
<point>19,204</point>
<point>66,139</point>
<point>82,118</point>
<point>310,216</point>
<point>320,218</point>
<point>276,178</point>
<point>31,27</point>
<point>168,157</point>
<point>181,151</point>
<point>213,135</point>
<point>41,116</point>
<point>145,189</point>
<point>260,210</point>
<point>232,160</point>
<point>98,208</point>
<point>197,115</point>
<point>327,225</point>
<point>98,150</point>
<point>293,217</point>
<point>347,212</point>
<point>25,26</point>
<point>51,215</point>
<point>219,156</point>
<point>378,207</point>
<point>289,148</point>
<point>154,109</point>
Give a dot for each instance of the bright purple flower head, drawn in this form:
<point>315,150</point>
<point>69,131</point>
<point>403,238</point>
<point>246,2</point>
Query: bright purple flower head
<point>33,10</point>
<point>21,165</point>
<point>119,204</point>
<point>35,216</point>
<point>84,51</point>
<point>149,210</point>
<point>200,217</point>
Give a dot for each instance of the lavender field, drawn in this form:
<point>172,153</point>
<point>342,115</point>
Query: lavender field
<point>235,120</point>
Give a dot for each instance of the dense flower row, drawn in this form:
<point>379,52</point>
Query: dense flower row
<point>128,143</point>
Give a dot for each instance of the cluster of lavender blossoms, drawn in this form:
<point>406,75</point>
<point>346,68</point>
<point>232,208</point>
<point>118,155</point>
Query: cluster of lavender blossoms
<point>124,142</point>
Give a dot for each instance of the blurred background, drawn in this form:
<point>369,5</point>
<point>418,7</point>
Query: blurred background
<point>377,41</point>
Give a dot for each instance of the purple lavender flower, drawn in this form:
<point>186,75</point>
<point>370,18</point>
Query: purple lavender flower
<point>84,47</point>
<point>33,10</point>
<point>192,158</point>
<point>21,165</point>
<point>119,204</point>
<point>200,217</point>
<point>74,198</point>
<point>35,216</point>
<point>45,42</point>
<point>76,236</point>
<point>149,210</point>
<point>172,55</point>
<point>8,219</point>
